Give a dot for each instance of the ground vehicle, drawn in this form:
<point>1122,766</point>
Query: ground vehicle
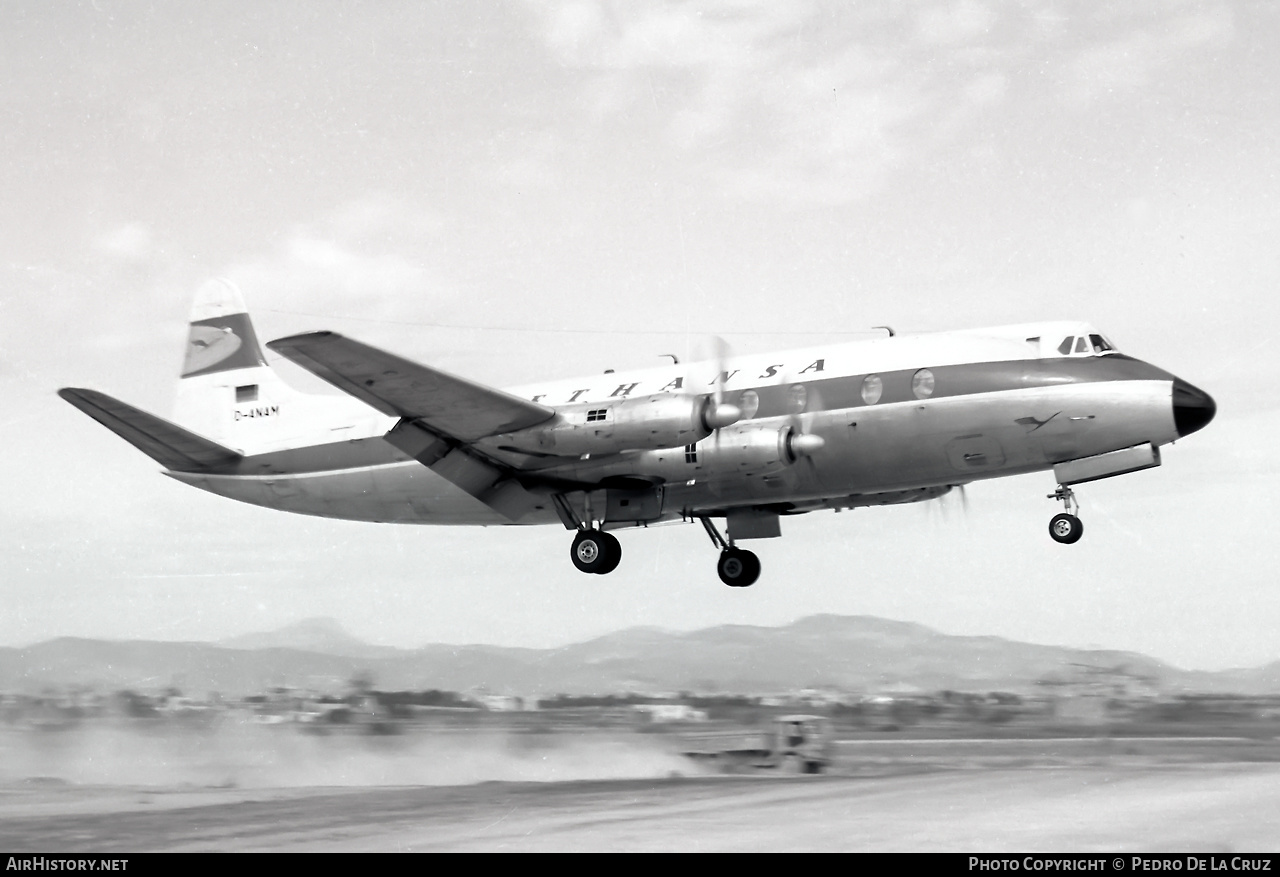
<point>793,744</point>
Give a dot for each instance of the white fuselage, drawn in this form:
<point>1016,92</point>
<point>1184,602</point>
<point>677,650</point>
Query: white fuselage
<point>993,402</point>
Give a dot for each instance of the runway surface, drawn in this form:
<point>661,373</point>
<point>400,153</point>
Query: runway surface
<point>135,787</point>
<point>1203,808</point>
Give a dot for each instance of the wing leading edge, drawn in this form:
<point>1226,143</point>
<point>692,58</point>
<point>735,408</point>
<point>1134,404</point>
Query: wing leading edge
<point>448,405</point>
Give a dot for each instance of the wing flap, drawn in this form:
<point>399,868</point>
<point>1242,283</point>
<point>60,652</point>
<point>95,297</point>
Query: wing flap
<point>447,404</point>
<point>490,484</point>
<point>168,444</point>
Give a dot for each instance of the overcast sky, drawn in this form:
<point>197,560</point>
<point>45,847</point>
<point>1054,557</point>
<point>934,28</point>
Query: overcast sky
<point>511,191</point>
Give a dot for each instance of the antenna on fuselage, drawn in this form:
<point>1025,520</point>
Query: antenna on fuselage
<point>675,360</point>
<point>888,329</point>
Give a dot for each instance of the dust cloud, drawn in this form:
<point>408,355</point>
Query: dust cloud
<point>232,754</point>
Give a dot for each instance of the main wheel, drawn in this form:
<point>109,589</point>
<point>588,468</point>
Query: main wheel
<point>612,553</point>
<point>595,552</point>
<point>738,568</point>
<point>1066,529</point>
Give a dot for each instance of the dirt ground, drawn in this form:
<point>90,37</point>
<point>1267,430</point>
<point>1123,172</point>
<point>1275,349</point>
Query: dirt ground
<point>618,794</point>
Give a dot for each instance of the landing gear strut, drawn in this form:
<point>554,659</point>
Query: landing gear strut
<point>1066,528</point>
<point>738,568</point>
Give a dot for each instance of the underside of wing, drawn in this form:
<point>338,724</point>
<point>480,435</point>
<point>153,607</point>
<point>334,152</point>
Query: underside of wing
<point>448,405</point>
<point>168,444</point>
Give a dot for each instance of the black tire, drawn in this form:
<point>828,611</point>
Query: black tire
<point>612,553</point>
<point>1066,529</point>
<point>591,551</point>
<point>738,568</point>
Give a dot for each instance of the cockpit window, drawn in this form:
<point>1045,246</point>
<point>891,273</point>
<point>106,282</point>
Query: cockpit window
<point>1085,345</point>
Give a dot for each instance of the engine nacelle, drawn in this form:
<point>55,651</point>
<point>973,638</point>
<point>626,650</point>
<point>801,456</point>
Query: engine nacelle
<point>736,452</point>
<point>645,423</point>
<point>751,449</point>
<point>748,451</point>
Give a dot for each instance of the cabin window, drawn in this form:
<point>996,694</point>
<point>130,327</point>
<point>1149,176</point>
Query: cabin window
<point>798,397</point>
<point>247,393</point>
<point>872,388</point>
<point>597,414</point>
<point>749,402</point>
<point>922,384</point>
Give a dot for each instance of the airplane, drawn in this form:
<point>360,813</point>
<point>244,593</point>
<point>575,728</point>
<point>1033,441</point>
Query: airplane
<point>747,439</point>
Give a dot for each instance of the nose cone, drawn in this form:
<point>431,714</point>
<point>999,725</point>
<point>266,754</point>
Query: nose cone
<point>1193,408</point>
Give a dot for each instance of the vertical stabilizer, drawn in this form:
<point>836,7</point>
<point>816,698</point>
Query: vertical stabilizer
<point>230,394</point>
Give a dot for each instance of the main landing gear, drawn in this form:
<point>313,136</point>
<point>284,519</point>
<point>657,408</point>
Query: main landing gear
<point>738,568</point>
<point>1066,527</point>
<point>595,551</point>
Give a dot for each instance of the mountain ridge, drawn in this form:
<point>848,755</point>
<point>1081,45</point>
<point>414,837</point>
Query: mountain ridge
<point>857,653</point>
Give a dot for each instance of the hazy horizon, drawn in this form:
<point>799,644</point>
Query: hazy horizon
<point>335,626</point>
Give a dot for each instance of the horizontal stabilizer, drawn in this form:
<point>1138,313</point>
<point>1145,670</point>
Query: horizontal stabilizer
<point>168,444</point>
<point>446,404</point>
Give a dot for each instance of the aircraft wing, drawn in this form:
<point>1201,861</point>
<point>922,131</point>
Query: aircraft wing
<point>446,404</point>
<point>168,444</point>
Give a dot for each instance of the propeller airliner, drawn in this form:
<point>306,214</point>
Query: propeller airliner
<point>747,439</point>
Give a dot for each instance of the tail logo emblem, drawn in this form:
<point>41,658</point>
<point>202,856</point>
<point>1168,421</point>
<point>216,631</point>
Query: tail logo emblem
<point>207,346</point>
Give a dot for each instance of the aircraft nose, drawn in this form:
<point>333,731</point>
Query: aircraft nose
<point>1193,408</point>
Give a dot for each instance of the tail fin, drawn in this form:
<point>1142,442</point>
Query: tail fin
<point>230,394</point>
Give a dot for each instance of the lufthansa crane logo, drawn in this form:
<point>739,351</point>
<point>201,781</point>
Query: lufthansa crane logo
<point>209,345</point>
<point>1034,424</point>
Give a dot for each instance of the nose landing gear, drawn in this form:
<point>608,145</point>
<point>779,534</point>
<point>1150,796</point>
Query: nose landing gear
<point>1066,528</point>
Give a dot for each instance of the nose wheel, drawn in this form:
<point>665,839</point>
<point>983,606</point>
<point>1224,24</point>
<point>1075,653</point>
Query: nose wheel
<point>1066,527</point>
